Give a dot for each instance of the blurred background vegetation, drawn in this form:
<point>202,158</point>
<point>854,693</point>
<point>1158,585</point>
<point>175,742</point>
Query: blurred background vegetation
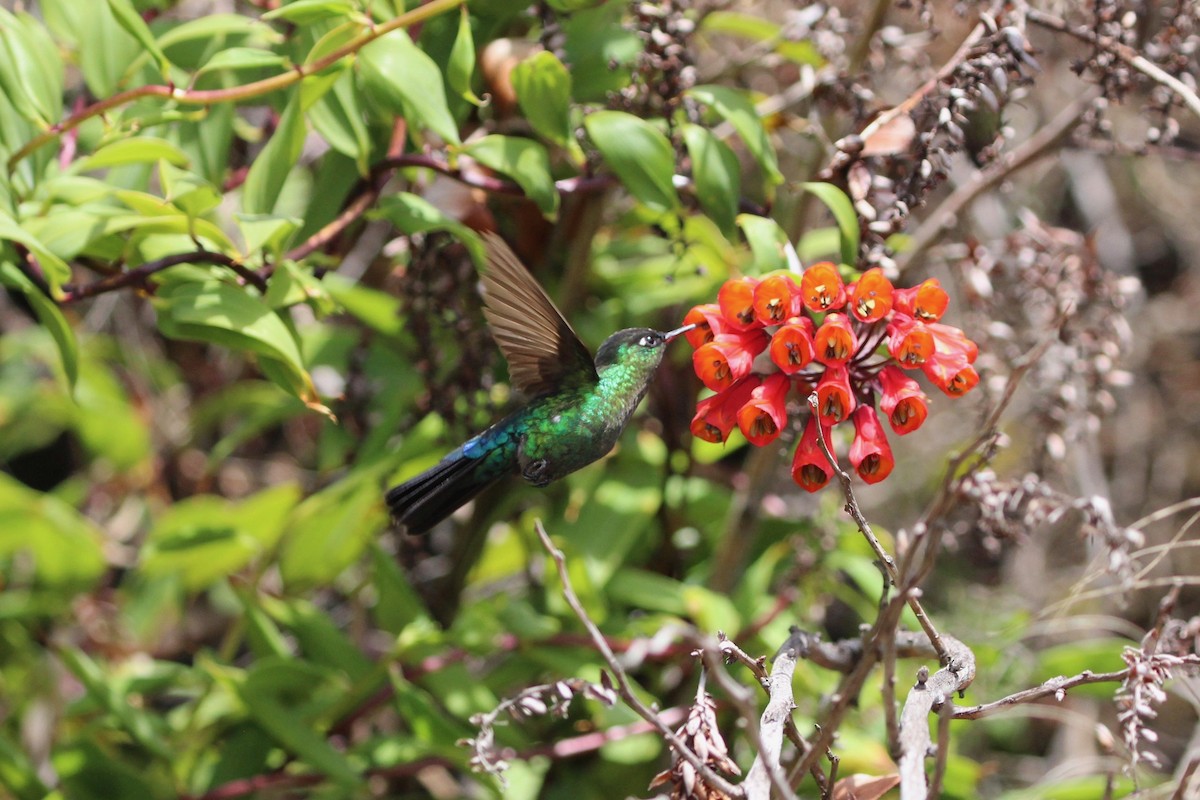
<point>237,243</point>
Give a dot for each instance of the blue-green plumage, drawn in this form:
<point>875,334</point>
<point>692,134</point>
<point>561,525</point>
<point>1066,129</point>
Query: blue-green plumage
<point>578,409</point>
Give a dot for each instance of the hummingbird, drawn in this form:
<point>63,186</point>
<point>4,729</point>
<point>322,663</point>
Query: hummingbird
<point>577,409</point>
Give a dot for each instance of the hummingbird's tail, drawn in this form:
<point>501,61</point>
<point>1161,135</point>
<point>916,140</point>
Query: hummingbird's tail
<point>425,500</point>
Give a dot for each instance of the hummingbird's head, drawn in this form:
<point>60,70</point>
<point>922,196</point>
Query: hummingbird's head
<point>640,349</point>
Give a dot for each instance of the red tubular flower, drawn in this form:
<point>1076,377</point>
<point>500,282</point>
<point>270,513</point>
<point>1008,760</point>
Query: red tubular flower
<point>728,357</point>
<point>835,399</point>
<point>835,340</point>
<point>716,415</point>
<point>870,453</point>
<point>871,296</point>
<point>736,298</point>
<point>792,345</point>
<point>708,321</point>
<point>909,342</point>
<point>765,414</point>
<point>810,468</point>
<point>927,302</point>
<point>902,400</point>
<point>953,374</point>
<point>951,341</point>
<point>776,298</point>
<point>821,288</point>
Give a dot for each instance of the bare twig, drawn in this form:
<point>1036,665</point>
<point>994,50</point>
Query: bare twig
<point>765,771</point>
<point>886,562</point>
<point>623,687</point>
<point>1035,147</point>
<point>945,714</point>
<point>1122,51</point>
<point>929,693</point>
<point>138,275</point>
<point>1056,687</point>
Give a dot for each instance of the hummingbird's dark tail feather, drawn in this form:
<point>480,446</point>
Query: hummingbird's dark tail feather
<point>425,500</point>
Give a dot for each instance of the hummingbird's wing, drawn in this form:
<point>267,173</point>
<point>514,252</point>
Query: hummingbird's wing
<point>542,350</point>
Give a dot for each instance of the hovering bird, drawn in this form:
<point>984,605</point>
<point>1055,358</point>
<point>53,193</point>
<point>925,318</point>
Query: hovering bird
<point>578,405</point>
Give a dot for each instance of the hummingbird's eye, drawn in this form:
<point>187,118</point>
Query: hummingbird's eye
<point>650,340</point>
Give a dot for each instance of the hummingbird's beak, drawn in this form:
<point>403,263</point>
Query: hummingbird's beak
<point>669,335</point>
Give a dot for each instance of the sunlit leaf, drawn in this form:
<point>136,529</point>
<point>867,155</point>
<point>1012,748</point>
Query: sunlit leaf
<point>639,154</point>
<point>843,213</point>
<point>523,160</point>
<point>49,314</point>
<point>543,87</point>
<point>716,174</point>
<point>407,82</point>
<point>736,109</point>
<point>462,61</point>
<point>65,547</point>
<point>129,19</point>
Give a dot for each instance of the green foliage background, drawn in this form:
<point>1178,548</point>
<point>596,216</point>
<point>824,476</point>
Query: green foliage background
<point>199,587</point>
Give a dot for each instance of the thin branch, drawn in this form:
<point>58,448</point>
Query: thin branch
<point>1055,687</point>
<point>623,687</point>
<point>209,97</point>
<point>1122,51</point>
<point>795,643</point>
<point>886,562</point>
<point>942,757</point>
<point>138,275</point>
<point>1032,149</point>
<point>909,103</point>
<point>765,771</point>
<point>929,693</point>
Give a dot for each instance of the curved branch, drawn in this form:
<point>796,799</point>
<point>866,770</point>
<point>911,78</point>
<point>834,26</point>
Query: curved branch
<point>209,97</point>
<point>138,275</point>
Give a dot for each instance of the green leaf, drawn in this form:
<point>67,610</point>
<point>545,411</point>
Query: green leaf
<point>338,117</point>
<point>49,315</point>
<point>716,174</point>
<point>211,311</point>
<point>320,639</point>
<point>748,26</point>
<point>87,771</point>
<point>105,48</point>
<point>543,87</point>
<point>406,81</point>
<point>190,193</point>
<point>270,169</point>
<point>65,546</point>
<point>217,28</point>
<point>380,311</point>
<point>639,154</point>
<point>204,539</point>
<point>819,244</point>
<point>56,270</point>
<point>461,65</point>
<point>306,12</point>
<point>31,70</point>
<point>330,530</point>
<point>843,213</point>
<point>733,106</point>
<point>292,284</point>
<point>239,58</point>
<point>266,232</point>
<point>767,243</point>
<point>523,160</point>
<point>413,214</point>
<point>109,427</point>
<point>278,694</point>
<point>135,150</point>
<point>129,19</point>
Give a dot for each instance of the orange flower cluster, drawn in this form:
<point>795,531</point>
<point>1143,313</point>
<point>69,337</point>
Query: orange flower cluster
<point>851,344</point>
